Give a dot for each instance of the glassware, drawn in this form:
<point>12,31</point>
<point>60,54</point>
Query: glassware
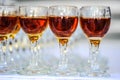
<point>95,22</point>
<point>63,21</point>
<point>8,20</point>
<point>12,41</point>
<point>33,20</point>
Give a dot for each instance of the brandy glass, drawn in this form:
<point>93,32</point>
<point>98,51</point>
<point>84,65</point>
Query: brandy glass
<point>63,21</point>
<point>12,43</point>
<point>95,23</point>
<point>8,20</point>
<point>33,21</point>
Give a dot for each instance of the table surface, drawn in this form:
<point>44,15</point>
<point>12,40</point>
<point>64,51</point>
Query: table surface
<point>20,77</point>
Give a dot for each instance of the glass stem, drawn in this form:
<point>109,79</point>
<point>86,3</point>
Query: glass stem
<point>1,53</point>
<point>34,59</point>
<point>4,45</point>
<point>11,51</point>
<point>94,55</point>
<point>63,60</point>
<point>39,53</point>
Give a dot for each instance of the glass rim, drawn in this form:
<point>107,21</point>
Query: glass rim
<point>8,6</point>
<point>34,6</point>
<point>95,6</point>
<point>72,6</point>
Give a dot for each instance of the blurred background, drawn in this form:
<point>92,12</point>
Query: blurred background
<point>110,46</point>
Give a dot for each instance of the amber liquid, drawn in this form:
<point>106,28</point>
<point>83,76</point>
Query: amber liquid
<point>3,37</point>
<point>16,29</point>
<point>7,24</point>
<point>63,27</point>
<point>33,26</point>
<point>95,27</point>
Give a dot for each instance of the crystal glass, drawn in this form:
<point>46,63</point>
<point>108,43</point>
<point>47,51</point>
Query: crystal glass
<point>33,21</point>
<point>95,23</point>
<point>12,42</point>
<point>8,20</point>
<point>63,21</point>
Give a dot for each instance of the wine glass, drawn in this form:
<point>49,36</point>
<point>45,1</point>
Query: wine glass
<point>95,22</point>
<point>63,21</point>
<point>13,53</point>
<point>33,20</point>
<point>8,20</point>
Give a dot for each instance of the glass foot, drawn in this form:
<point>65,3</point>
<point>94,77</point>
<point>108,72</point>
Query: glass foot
<point>98,74</point>
<point>60,71</point>
<point>101,72</point>
<point>4,70</point>
<point>34,70</point>
<point>99,68</point>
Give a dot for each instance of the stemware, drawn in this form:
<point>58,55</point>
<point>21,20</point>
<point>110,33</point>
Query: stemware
<point>8,20</point>
<point>12,43</point>
<point>95,23</point>
<point>63,22</point>
<point>33,20</point>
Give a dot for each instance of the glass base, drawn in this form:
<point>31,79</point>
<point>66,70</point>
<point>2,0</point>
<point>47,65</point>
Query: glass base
<point>64,71</point>
<point>34,70</point>
<point>97,65</point>
<point>98,74</point>
<point>101,71</point>
<point>4,70</point>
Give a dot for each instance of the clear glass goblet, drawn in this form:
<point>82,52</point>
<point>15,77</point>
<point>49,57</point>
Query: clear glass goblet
<point>63,21</point>
<point>33,21</point>
<point>8,20</point>
<point>95,23</point>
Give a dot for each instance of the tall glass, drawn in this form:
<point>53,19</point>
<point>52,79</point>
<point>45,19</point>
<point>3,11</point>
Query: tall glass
<point>63,22</point>
<point>8,20</point>
<point>33,20</point>
<point>95,22</point>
